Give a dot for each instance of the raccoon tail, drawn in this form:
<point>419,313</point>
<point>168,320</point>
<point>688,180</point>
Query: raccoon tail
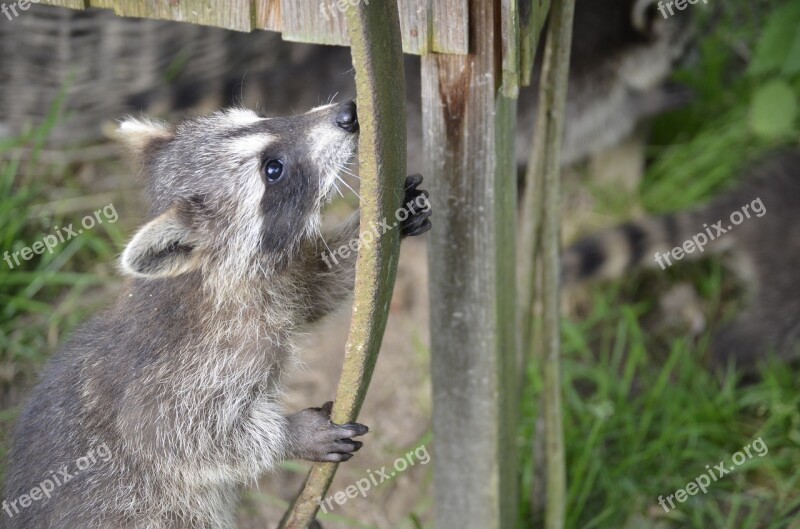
<point>644,243</point>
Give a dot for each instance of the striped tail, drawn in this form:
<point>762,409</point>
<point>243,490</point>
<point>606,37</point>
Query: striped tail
<point>650,242</point>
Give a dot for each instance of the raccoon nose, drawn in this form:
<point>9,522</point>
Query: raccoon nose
<point>347,118</point>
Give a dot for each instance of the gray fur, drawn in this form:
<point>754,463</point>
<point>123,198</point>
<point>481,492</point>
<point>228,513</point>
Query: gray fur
<point>180,377</point>
<point>763,250</point>
<point>622,52</point>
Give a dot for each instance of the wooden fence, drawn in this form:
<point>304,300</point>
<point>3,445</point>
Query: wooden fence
<point>425,26</point>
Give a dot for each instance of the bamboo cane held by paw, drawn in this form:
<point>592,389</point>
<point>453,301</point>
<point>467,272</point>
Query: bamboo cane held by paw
<point>374,32</point>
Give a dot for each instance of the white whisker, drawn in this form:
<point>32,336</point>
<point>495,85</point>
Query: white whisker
<point>347,171</point>
<point>348,186</point>
<point>333,177</point>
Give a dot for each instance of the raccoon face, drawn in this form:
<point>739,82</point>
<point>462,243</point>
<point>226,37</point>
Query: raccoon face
<point>235,189</point>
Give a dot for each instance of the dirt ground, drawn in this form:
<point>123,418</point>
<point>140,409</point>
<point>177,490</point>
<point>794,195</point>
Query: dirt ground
<point>397,410</point>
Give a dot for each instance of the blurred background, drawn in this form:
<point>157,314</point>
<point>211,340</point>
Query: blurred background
<point>644,415</point>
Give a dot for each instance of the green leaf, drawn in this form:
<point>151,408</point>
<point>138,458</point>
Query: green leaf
<point>773,110</point>
<point>792,64</point>
<point>772,51</point>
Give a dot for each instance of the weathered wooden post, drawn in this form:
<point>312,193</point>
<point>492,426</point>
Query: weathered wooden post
<point>469,132</point>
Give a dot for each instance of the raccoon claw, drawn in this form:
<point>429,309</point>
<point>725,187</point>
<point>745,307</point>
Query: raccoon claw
<point>418,221</point>
<point>412,181</point>
<point>318,439</point>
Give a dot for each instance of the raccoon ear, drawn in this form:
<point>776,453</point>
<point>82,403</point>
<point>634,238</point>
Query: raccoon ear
<point>645,16</point>
<point>164,247</point>
<point>138,135</point>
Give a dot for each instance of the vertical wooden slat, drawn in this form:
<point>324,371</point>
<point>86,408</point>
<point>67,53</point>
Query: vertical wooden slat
<point>314,21</point>
<point>505,187</point>
<point>268,15</point>
<point>450,23</point>
<point>71,4</point>
<point>510,47</point>
<point>321,22</point>
<point>230,14</point>
<point>103,4</point>
<point>414,21</point>
<point>468,127</point>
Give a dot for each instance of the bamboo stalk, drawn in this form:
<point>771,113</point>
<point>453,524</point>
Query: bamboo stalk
<point>554,93</point>
<point>374,31</point>
<point>541,236</point>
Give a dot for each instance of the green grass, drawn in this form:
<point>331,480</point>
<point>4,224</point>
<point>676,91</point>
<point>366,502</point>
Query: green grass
<point>637,427</point>
<point>44,298</point>
<point>643,415</point>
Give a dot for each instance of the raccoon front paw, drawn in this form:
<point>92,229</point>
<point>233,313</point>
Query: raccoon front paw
<point>417,206</point>
<point>316,438</point>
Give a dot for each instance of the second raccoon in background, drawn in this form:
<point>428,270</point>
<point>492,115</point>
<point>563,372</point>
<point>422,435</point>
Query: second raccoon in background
<point>764,251</point>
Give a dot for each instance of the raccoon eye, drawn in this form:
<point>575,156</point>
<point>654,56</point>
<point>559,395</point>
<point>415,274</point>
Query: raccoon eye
<point>273,170</point>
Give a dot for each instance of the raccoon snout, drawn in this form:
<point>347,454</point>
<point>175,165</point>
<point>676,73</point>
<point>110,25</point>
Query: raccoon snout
<point>347,118</point>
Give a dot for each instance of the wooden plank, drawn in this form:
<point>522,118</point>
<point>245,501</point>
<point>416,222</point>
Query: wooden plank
<point>102,4</point>
<point>230,14</point>
<point>510,36</point>
<point>414,22</point>
<point>71,4</point>
<point>323,22</point>
<point>450,26</point>
<point>469,135</point>
<point>374,30</point>
<point>268,15</point>
<point>314,21</point>
<point>311,21</point>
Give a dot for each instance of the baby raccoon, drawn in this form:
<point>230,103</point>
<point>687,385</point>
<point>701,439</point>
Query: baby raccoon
<point>622,52</point>
<point>178,382</point>
<point>754,224</point>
